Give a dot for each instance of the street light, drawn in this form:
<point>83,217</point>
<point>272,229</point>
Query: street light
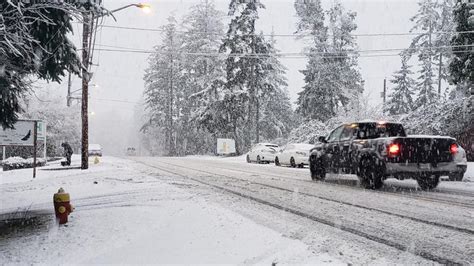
<point>144,6</point>
<point>86,76</point>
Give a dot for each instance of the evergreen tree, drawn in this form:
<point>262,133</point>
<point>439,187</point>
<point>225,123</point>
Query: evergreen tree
<point>201,41</point>
<point>443,52</point>
<point>162,93</point>
<point>179,82</point>
<point>244,65</point>
<point>33,43</point>
<point>314,100</point>
<point>434,22</point>
<point>401,100</point>
<point>277,116</point>
<point>462,65</point>
<point>331,76</point>
<point>349,83</point>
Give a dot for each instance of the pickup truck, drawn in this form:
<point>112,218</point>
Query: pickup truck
<point>375,151</point>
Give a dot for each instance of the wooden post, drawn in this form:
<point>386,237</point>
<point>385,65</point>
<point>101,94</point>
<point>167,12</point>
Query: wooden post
<point>35,140</point>
<point>85,93</point>
<point>44,139</point>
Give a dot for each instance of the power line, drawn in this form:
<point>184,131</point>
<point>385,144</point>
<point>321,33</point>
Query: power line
<point>295,35</point>
<point>376,53</point>
<point>114,100</point>
<point>306,54</point>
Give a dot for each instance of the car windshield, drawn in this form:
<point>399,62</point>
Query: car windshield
<point>271,146</point>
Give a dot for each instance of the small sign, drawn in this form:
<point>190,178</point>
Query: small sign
<point>41,130</point>
<point>225,146</point>
<point>21,135</point>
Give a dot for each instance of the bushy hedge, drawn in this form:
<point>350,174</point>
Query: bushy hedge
<point>13,163</point>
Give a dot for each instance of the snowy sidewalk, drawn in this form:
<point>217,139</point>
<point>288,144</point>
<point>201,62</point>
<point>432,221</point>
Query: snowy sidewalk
<point>126,216</point>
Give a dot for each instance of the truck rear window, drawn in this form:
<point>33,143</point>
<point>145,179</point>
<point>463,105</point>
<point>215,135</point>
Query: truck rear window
<point>377,130</point>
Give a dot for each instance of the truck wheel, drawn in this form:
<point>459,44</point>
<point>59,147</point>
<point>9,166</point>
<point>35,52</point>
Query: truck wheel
<point>292,162</point>
<point>277,161</point>
<point>369,175</point>
<point>428,182</point>
<point>317,170</point>
<point>248,159</point>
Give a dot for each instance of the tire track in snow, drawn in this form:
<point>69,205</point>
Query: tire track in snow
<point>419,195</point>
<point>456,228</point>
<point>394,244</point>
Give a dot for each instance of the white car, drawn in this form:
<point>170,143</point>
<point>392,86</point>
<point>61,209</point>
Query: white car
<point>262,153</point>
<point>295,154</point>
<point>95,150</point>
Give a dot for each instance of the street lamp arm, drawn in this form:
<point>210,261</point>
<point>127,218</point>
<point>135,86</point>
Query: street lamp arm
<point>110,12</point>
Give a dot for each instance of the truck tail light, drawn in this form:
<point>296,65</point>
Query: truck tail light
<point>394,149</point>
<point>453,148</point>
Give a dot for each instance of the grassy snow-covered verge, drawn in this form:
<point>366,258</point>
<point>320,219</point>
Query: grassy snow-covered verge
<point>127,216</point>
<point>469,175</point>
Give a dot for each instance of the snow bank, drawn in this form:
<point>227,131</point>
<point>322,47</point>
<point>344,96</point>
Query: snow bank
<point>469,175</point>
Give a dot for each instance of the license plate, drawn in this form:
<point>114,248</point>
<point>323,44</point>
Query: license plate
<point>424,166</point>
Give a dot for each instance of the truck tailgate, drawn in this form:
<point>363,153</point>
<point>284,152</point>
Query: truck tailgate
<point>425,149</point>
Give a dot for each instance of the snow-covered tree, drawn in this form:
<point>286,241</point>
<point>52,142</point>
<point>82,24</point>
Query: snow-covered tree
<point>401,99</point>
<point>442,117</point>
<point>462,65</point>
<point>203,35</point>
<point>357,109</point>
<point>244,64</point>
<point>63,123</point>
<point>343,46</point>
<point>275,115</point>
<point>161,88</point>
<point>314,100</point>
<point>433,22</point>
<point>179,81</point>
<point>33,43</point>
<point>331,75</point>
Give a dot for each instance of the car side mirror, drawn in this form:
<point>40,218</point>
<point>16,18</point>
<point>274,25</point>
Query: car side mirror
<point>322,139</point>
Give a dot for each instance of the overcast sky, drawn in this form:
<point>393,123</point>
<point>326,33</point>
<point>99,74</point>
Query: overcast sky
<point>119,76</point>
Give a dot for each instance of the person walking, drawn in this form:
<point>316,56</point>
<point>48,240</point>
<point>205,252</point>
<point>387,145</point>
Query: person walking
<point>67,152</point>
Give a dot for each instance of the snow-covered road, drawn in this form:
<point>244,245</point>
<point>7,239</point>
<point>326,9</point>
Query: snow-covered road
<point>214,210</point>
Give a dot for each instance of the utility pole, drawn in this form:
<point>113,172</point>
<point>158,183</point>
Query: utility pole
<point>68,98</point>
<point>85,91</point>
<point>254,77</point>
<point>439,72</point>
<point>35,146</point>
<point>171,140</point>
<point>384,93</point>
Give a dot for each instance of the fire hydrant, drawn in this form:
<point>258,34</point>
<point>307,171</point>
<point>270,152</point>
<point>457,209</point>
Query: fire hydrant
<point>62,206</point>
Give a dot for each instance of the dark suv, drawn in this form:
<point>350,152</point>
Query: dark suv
<point>378,150</point>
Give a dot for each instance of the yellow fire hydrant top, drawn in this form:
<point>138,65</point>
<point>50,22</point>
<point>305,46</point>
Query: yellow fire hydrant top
<point>61,196</point>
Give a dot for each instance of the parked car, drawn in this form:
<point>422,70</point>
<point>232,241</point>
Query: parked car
<point>262,153</point>
<point>461,161</point>
<point>294,154</point>
<point>131,151</point>
<point>95,150</point>
<point>378,150</point>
